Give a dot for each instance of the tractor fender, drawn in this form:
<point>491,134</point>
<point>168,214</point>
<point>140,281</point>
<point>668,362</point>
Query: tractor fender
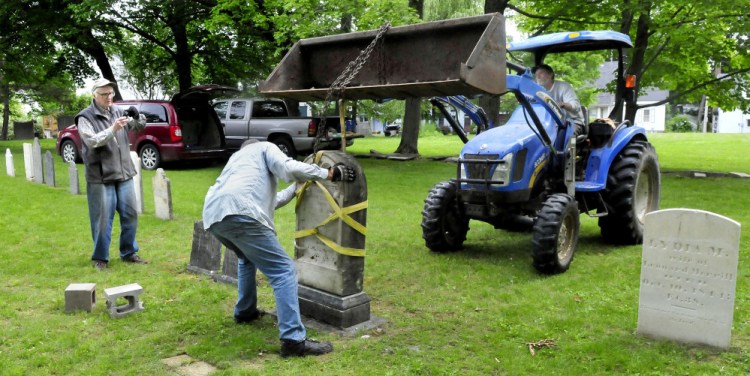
<point>600,160</point>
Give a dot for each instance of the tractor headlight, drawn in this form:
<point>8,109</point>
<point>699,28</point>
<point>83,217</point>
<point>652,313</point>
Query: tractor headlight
<point>502,169</point>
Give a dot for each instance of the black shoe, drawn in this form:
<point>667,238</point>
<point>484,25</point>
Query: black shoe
<point>135,259</point>
<point>99,265</point>
<point>246,319</point>
<point>304,348</point>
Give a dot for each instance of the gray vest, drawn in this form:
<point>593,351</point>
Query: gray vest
<point>111,162</point>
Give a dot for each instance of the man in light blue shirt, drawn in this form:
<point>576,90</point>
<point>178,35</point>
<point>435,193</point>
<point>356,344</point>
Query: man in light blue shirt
<point>238,210</point>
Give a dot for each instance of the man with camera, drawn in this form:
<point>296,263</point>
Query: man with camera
<point>103,129</point>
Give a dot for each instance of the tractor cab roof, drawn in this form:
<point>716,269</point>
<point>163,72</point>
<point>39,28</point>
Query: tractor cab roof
<point>571,42</point>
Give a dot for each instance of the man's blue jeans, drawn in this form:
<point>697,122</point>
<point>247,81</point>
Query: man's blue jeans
<point>259,248</point>
<point>104,200</point>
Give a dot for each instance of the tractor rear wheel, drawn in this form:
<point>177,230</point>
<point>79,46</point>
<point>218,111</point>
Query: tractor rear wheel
<point>555,234</point>
<point>444,227</point>
<point>633,186</point>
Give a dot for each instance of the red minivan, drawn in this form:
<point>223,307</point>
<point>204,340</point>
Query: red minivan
<point>183,128</point>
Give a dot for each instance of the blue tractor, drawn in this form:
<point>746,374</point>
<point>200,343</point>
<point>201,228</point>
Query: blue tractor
<point>533,172</point>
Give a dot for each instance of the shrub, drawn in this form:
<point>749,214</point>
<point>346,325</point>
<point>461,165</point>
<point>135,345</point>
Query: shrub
<point>680,124</point>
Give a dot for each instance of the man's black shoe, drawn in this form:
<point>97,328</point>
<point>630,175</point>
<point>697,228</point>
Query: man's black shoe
<point>304,348</point>
<point>99,265</point>
<point>135,259</point>
<point>246,319</point>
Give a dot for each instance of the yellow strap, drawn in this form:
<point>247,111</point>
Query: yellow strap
<point>338,213</point>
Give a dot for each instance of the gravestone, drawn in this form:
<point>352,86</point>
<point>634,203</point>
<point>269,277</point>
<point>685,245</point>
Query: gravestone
<point>228,268</point>
<point>230,264</point>
<point>10,168</point>
<point>49,169</point>
<point>37,162</point>
<point>205,257</point>
<point>688,277</point>
<point>28,161</point>
<point>329,249</point>
<point>23,130</point>
<point>75,187</point>
<point>162,195</point>
<point>138,181</point>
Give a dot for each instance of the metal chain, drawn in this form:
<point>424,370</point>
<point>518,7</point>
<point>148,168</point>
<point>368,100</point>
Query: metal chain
<point>339,85</point>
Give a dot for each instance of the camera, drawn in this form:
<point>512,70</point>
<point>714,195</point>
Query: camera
<point>131,112</point>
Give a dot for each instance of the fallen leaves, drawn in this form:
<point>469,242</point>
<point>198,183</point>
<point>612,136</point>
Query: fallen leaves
<point>533,346</point>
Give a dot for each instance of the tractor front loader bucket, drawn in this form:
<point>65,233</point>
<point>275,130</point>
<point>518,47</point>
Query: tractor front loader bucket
<point>461,56</point>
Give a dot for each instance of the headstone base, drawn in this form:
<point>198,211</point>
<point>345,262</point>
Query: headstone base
<point>339,311</point>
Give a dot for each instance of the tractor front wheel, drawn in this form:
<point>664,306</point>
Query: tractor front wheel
<point>444,227</point>
<point>555,234</point>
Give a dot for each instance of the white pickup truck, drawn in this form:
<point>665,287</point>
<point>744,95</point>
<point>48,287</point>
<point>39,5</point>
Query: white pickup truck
<point>268,120</point>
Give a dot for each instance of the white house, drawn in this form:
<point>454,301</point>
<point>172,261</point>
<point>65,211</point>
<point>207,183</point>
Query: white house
<point>734,121</point>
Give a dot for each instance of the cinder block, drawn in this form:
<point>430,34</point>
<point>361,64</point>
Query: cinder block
<point>130,293</point>
<point>80,296</point>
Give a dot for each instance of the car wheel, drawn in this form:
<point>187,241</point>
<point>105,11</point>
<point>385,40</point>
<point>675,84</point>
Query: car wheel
<point>444,227</point>
<point>633,187</point>
<point>69,152</point>
<point>285,146</point>
<point>555,234</point>
<point>150,157</point>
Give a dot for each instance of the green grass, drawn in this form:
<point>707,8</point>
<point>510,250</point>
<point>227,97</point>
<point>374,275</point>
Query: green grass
<point>471,312</point>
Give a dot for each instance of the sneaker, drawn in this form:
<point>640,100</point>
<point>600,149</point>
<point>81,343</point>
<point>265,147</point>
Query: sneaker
<point>304,348</point>
<point>246,319</point>
<point>99,265</point>
<point>135,259</point>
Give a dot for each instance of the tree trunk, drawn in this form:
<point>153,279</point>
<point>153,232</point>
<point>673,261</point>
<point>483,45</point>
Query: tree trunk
<point>638,60</point>
<point>90,45</point>
<point>410,133</point>
<point>491,106</point>
<point>495,6</point>
<point>5,94</point>
<point>417,5</point>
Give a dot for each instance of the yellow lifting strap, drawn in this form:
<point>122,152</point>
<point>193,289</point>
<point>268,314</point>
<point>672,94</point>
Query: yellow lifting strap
<point>338,213</point>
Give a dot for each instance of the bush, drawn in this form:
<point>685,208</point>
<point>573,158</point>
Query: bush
<point>680,124</point>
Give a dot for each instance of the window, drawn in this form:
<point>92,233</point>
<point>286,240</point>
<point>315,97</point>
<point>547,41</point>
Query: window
<point>237,110</point>
<point>221,110</point>
<point>647,115</point>
<point>268,109</point>
<point>154,113</point>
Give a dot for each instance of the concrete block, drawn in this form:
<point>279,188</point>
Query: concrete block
<point>128,292</point>
<point>80,296</point>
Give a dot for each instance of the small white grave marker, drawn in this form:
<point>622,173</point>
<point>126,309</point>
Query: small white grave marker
<point>10,168</point>
<point>28,161</point>
<point>162,195</point>
<point>138,181</point>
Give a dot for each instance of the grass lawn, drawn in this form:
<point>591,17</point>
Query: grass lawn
<point>472,312</point>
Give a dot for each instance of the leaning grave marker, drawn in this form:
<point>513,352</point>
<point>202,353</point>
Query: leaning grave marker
<point>36,161</point>
<point>162,195</point>
<point>688,277</point>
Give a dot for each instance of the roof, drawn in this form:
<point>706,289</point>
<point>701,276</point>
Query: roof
<point>572,42</point>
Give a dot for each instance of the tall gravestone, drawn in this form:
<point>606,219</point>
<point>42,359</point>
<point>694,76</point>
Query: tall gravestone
<point>49,169</point>
<point>688,277</point>
<point>37,162</point>
<point>75,187</point>
<point>28,161</point>
<point>205,256</point>
<point>229,267</point>
<point>162,195</point>
<point>138,182</point>
<point>10,168</point>
<point>330,246</point>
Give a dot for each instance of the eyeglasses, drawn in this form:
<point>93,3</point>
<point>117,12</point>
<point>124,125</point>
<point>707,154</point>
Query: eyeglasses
<point>104,95</point>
